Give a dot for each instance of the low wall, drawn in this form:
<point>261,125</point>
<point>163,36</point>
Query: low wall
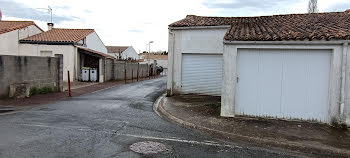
<point>38,72</point>
<point>115,70</point>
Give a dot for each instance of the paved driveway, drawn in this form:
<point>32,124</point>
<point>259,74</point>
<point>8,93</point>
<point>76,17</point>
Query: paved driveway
<point>105,124</point>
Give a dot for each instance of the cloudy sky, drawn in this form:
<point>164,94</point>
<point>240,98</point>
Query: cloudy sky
<point>136,22</point>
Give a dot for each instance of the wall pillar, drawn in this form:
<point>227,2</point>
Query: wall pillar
<point>60,72</point>
<point>229,81</point>
<point>169,91</point>
<point>101,70</point>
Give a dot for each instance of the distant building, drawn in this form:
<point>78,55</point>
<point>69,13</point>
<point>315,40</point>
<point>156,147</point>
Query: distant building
<point>123,52</point>
<point>79,47</point>
<point>161,60</point>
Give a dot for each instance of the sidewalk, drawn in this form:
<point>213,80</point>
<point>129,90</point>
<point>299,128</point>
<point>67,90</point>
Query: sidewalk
<point>203,113</point>
<point>17,104</point>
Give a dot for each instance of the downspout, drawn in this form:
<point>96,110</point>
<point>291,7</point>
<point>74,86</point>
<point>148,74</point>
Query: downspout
<point>343,80</point>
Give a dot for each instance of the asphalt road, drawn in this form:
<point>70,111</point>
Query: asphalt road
<point>106,124</point>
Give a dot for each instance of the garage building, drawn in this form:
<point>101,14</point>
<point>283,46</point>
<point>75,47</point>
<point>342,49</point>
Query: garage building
<point>282,66</point>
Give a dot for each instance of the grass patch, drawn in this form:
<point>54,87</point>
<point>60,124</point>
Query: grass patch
<point>44,90</point>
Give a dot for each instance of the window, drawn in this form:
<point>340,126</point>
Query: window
<point>46,53</point>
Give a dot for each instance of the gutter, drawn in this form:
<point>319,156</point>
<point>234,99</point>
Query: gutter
<point>200,27</point>
<point>46,42</point>
<point>339,42</point>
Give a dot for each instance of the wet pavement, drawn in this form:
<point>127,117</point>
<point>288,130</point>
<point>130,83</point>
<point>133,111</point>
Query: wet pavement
<point>106,123</point>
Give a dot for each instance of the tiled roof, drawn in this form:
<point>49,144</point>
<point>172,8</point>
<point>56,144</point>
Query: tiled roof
<point>193,20</point>
<point>96,52</point>
<point>60,35</point>
<point>315,26</point>
<point>116,49</point>
<point>7,26</point>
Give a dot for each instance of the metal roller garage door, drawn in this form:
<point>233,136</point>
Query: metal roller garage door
<point>201,74</point>
<point>283,83</point>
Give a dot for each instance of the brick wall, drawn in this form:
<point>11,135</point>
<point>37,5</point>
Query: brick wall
<point>39,72</point>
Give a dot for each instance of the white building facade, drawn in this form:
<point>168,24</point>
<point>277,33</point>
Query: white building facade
<point>195,60</point>
<point>123,52</point>
<point>69,43</point>
<point>13,31</point>
<point>264,73</point>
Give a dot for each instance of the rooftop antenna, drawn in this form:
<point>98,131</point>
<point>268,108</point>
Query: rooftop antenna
<point>49,9</point>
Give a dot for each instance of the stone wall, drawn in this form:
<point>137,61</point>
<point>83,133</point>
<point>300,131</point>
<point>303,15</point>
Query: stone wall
<point>109,69</point>
<point>115,70</point>
<point>38,72</point>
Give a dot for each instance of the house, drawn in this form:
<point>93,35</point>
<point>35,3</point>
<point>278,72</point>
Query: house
<point>79,48</point>
<point>13,31</point>
<point>283,66</point>
<point>161,60</point>
<point>123,52</point>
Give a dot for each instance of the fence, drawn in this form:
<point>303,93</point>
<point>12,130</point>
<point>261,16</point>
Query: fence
<point>121,70</point>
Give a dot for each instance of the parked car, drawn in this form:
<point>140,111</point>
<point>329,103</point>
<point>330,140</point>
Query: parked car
<point>159,69</point>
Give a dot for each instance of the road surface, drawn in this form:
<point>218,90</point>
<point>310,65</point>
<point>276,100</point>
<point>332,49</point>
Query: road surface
<point>106,123</point>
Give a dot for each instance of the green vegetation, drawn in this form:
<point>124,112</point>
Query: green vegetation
<point>44,90</point>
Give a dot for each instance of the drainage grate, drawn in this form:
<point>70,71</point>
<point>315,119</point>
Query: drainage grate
<point>149,147</point>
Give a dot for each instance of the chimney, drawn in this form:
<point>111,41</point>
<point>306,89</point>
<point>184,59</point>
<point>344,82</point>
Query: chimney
<point>190,16</point>
<point>49,26</point>
<point>347,11</point>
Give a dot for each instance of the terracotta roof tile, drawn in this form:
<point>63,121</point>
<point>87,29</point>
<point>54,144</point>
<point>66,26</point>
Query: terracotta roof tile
<point>193,20</point>
<point>116,49</point>
<point>315,26</point>
<point>60,35</point>
<point>7,26</point>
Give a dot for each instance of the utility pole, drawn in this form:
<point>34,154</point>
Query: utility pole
<point>312,8</point>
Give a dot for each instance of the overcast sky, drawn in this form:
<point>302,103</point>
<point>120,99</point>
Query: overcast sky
<point>136,22</point>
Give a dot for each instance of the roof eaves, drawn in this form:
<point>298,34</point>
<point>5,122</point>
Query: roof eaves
<point>47,42</point>
<point>200,27</point>
<point>92,31</point>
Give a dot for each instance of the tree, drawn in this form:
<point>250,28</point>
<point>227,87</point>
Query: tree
<point>312,6</point>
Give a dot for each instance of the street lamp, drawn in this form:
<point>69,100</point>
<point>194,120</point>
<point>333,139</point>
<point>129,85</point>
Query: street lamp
<point>149,46</point>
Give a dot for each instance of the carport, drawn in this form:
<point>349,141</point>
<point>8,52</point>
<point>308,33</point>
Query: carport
<point>92,59</point>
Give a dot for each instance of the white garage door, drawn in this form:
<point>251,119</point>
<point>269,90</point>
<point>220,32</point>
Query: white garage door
<point>201,74</point>
<point>283,83</point>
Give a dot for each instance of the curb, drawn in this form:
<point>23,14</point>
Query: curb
<point>159,110</point>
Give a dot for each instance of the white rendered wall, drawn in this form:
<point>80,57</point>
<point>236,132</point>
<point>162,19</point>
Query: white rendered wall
<point>9,44</point>
<point>346,109</point>
<point>127,53</point>
<point>68,52</point>
<point>190,41</point>
<point>130,53</point>
<point>94,42</point>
